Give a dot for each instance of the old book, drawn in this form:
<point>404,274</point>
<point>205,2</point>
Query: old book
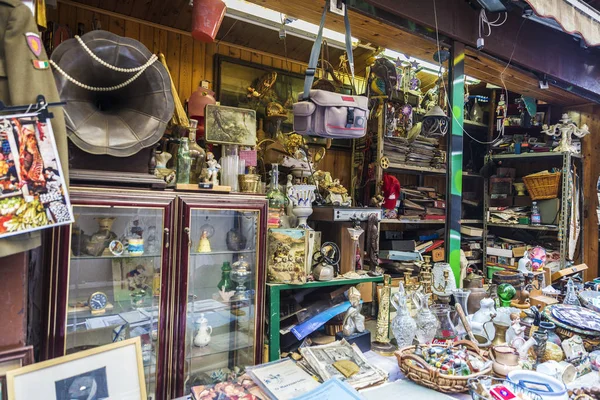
<point>435,217</point>
<point>434,211</point>
<point>412,205</point>
<point>423,246</point>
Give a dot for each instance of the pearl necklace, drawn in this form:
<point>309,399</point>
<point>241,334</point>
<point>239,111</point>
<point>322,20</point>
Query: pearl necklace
<point>140,70</point>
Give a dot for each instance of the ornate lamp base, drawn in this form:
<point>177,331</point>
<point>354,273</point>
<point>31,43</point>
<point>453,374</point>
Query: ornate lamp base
<point>384,349</point>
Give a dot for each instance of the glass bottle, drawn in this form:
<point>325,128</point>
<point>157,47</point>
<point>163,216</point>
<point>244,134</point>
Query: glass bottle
<point>445,330</point>
<point>183,161</point>
<point>571,296</point>
<point>276,199</point>
<point>197,155</point>
<point>536,218</point>
<point>403,325</point>
<point>226,284</point>
<point>427,323</point>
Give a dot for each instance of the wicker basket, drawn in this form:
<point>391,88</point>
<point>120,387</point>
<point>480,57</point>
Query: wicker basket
<point>417,370</point>
<point>542,186</point>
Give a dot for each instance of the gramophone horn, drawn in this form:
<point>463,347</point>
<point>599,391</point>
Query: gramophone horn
<point>119,122</point>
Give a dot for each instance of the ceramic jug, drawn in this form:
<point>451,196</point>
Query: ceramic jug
<point>505,359</point>
<point>202,338</point>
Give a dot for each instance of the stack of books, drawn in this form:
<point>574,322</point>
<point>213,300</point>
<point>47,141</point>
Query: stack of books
<point>396,149</point>
<point>422,203</point>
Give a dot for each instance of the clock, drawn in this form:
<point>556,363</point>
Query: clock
<point>98,302</point>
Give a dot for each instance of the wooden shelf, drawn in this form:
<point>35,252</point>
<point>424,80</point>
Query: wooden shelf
<point>468,123</point>
<point>416,169</point>
<point>411,221</point>
<point>533,155</point>
<point>551,228</point>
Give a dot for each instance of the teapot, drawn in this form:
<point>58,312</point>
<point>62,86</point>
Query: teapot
<point>202,338</point>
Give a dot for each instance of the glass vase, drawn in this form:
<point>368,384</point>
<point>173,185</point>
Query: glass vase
<point>403,325</point>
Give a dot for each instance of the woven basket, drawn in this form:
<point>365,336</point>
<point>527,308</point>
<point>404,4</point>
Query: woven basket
<point>542,186</point>
<point>417,370</point>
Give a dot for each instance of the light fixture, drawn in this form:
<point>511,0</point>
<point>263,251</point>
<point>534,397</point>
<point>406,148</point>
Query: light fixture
<point>435,122</point>
<point>492,5</point>
<point>271,19</point>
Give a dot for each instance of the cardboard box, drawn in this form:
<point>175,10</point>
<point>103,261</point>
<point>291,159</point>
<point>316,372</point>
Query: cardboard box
<point>519,251</point>
<point>438,254</point>
<point>568,271</point>
<point>493,251</point>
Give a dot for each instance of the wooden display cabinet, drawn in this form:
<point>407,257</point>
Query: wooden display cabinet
<point>101,291</point>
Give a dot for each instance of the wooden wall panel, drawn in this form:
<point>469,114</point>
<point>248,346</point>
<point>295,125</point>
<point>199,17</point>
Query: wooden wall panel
<point>189,61</point>
<point>590,115</point>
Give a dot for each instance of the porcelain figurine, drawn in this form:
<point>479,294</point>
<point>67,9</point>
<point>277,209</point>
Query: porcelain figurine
<point>403,325</point>
<point>481,320</point>
<point>515,335</point>
<point>101,239</point>
<point>212,169</point>
<point>354,321</point>
<point>204,243</point>
<point>202,338</point>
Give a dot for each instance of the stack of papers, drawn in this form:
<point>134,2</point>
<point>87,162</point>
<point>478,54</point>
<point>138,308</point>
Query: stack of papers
<point>507,215</point>
<point>318,360</point>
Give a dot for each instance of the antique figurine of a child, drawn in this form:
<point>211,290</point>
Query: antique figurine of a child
<point>212,169</point>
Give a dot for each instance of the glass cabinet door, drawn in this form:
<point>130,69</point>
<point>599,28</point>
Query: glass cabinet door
<point>115,280</point>
<point>221,286</point>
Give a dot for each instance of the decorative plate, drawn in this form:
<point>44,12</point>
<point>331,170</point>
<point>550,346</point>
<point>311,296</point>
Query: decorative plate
<point>577,316</point>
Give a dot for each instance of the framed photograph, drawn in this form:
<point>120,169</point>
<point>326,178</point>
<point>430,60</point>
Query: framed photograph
<point>114,371</point>
<point>230,125</point>
<point>13,359</point>
<point>538,119</point>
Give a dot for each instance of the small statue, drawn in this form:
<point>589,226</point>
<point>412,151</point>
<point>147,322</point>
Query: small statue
<point>391,194</point>
<point>212,169</point>
<point>354,321</point>
<point>204,244</point>
<point>515,335</point>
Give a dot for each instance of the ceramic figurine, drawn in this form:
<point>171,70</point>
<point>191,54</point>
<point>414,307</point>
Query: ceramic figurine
<point>202,338</point>
<point>162,159</point>
<point>101,239</point>
<point>212,169</point>
<point>515,335</point>
<point>354,321</point>
<point>480,320</point>
<point>403,325</point>
<point>204,243</point>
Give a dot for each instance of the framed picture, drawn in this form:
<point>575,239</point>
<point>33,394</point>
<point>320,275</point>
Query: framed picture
<point>13,359</point>
<point>230,125</point>
<point>538,119</point>
<point>133,278</point>
<point>114,371</point>
<point>287,250</point>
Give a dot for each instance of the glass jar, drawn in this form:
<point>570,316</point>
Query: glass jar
<point>240,273</point>
<point>403,325</point>
<point>427,323</point>
<point>197,155</point>
<point>445,330</point>
<point>276,199</point>
<point>184,161</point>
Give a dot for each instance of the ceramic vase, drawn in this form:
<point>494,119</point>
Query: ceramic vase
<point>302,197</point>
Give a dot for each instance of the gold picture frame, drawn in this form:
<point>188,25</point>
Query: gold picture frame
<point>13,359</point>
<point>112,361</point>
<point>230,125</point>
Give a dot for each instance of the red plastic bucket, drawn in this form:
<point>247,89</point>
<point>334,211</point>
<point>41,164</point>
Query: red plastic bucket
<point>207,16</point>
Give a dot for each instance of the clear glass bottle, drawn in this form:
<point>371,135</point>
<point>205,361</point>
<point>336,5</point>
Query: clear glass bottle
<point>536,218</point>
<point>276,199</point>
<point>197,155</point>
<point>427,323</point>
<point>184,161</point>
<point>226,284</point>
<point>403,325</point>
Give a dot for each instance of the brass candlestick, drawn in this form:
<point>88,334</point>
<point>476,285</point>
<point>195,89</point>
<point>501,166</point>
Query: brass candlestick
<point>382,343</point>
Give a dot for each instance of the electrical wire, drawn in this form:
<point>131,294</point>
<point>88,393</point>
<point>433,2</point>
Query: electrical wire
<point>485,23</point>
<point>437,40</point>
